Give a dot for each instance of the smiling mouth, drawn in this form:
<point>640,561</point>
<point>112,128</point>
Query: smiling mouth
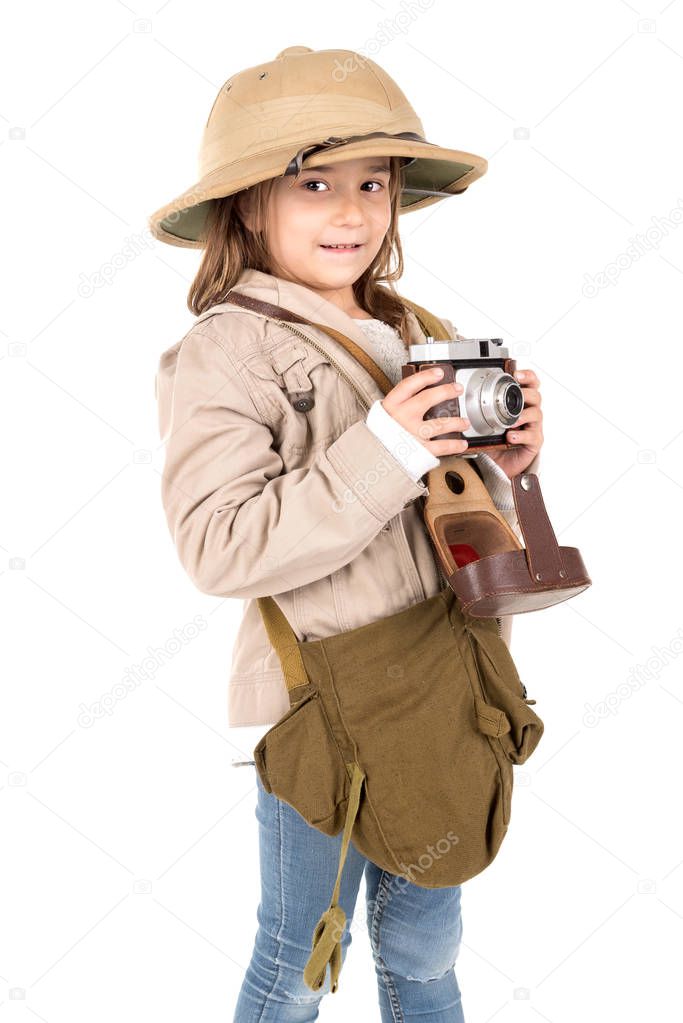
<point>343,246</point>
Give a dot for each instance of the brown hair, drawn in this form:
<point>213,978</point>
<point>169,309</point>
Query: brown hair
<point>230,248</point>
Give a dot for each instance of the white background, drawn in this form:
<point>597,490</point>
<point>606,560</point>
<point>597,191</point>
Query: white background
<point>130,868</point>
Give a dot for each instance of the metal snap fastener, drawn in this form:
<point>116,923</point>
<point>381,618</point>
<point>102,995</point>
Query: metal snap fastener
<point>525,482</point>
<point>304,403</point>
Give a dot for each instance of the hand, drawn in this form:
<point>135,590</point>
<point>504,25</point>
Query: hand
<point>408,401</point>
<point>529,439</point>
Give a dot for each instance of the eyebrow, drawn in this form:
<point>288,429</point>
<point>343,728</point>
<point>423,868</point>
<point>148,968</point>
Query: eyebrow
<point>370,170</point>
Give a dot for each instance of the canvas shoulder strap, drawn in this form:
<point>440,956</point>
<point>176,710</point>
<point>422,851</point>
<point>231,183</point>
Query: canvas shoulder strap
<point>431,325</point>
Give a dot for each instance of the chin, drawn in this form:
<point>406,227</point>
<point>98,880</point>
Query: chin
<point>346,274</point>
<point>339,283</point>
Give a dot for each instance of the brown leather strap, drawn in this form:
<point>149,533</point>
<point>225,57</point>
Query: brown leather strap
<point>276,312</point>
<point>542,552</point>
<point>431,325</point>
<point>286,315</point>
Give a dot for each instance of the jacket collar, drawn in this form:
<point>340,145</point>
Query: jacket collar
<point>307,303</point>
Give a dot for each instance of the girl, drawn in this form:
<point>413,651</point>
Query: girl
<point>289,473</point>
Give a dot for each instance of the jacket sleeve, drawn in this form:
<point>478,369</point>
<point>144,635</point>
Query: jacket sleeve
<point>416,459</point>
<point>241,526</point>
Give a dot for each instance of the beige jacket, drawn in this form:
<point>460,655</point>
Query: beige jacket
<point>309,507</point>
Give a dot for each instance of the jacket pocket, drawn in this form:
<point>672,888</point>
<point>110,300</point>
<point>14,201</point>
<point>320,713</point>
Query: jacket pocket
<point>502,708</point>
<point>287,366</point>
<point>296,386</point>
<point>299,761</point>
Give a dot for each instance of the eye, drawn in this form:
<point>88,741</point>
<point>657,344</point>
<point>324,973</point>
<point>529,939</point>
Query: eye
<point>313,182</point>
<point>374,183</point>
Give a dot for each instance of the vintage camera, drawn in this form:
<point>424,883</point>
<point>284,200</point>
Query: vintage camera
<point>492,399</point>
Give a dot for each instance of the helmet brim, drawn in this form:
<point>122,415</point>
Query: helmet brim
<point>433,174</point>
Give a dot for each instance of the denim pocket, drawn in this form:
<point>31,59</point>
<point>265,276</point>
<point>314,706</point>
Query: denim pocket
<point>299,761</point>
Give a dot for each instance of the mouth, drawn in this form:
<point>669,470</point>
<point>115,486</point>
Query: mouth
<point>343,247</point>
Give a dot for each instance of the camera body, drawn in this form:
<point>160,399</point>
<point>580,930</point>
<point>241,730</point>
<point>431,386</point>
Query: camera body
<point>492,399</point>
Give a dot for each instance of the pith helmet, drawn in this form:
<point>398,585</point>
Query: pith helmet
<point>305,108</point>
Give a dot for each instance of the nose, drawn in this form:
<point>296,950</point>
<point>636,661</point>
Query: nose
<point>347,209</point>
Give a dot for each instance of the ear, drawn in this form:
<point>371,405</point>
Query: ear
<point>244,200</point>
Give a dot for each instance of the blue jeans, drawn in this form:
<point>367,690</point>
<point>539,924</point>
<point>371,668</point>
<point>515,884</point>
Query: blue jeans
<point>415,933</point>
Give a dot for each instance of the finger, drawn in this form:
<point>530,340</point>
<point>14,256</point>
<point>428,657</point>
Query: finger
<point>447,447</point>
<point>442,424</point>
<point>413,384</point>
<point>434,395</point>
<point>531,396</point>
<point>529,414</point>
<point>527,376</point>
<point>530,435</point>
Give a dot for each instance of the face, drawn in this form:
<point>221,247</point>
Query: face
<point>346,203</point>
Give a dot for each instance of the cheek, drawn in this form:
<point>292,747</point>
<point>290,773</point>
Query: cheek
<point>297,224</point>
<point>381,217</point>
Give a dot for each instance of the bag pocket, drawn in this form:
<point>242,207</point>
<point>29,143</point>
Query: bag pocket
<point>502,707</point>
<point>298,761</point>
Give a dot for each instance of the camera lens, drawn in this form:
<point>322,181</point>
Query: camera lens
<point>513,400</point>
<point>508,400</point>
<point>492,399</point>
